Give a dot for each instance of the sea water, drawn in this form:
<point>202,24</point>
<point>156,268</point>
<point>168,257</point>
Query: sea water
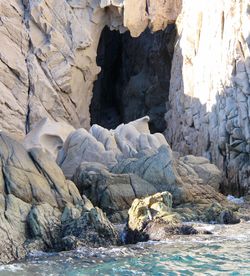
<point>225,252</point>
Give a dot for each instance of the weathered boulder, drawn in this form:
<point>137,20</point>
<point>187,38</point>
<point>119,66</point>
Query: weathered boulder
<point>82,146</point>
<point>149,208</point>
<point>151,218</point>
<point>113,193</point>
<point>128,150</point>
<point>49,135</point>
<point>107,146</point>
<point>206,171</point>
<point>33,197</point>
<point>168,174</point>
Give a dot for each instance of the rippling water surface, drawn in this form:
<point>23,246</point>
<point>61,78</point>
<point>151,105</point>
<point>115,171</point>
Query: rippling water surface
<point>226,252</point>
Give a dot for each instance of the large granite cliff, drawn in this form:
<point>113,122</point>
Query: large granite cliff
<point>210,87</point>
<point>48,52</point>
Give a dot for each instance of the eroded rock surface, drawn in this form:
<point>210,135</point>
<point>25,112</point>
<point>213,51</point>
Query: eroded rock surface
<point>107,147</point>
<point>113,193</point>
<point>48,54</point>
<point>48,135</point>
<point>209,88</point>
<point>36,201</point>
<point>152,218</point>
<point>113,168</point>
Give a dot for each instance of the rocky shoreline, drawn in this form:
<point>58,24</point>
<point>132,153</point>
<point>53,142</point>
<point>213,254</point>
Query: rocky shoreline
<point>61,189</point>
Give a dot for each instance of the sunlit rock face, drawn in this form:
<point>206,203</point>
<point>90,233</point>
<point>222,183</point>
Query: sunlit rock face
<point>210,90</point>
<point>48,54</point>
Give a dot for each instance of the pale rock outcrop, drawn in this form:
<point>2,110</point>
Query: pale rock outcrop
<point>36,201</point>
<point>209,89</point>
<point>153,218</point>
<point>14,77</point>
<point>107,146</point>
<point>82,146</point>
<point>48,55</point>
<point>117,166</point>
<point>48,135</point>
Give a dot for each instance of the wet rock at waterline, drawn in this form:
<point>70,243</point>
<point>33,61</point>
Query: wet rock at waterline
<point>152,218</point>
<point>36,201</point>
<point>129,162</point>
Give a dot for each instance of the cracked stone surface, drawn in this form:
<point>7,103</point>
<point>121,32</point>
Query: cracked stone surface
<point>48,56</point>
<point>210,88</point>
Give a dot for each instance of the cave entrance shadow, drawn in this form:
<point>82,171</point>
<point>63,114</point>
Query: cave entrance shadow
<point>134,78</point>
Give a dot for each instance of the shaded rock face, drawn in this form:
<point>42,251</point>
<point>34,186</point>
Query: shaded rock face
<point>113,193</point>
<point>36,201</point>
<point>134,80</point>
<point>209,90</point>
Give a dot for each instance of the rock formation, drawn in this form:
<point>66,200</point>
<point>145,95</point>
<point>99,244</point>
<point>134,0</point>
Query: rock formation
<point>48,54</point>
<point>48,135</point>
<point>40,209</point>
<point>210,90</point>
<point>114,167</point>
<point>48,68</point>
<point>153,218</point>
<point>113,193</point>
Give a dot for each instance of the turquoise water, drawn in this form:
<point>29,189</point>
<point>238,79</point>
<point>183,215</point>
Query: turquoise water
<point>226,252</point>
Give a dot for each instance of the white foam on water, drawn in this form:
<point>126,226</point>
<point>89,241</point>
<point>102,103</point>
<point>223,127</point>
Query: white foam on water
<point>11,267</point>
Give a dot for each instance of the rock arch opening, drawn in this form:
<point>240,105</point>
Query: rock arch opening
<point>134,78</point>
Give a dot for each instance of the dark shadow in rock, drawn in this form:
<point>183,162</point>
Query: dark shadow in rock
<point>135,78</point>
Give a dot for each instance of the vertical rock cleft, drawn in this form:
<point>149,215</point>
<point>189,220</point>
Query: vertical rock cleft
<point>134,78</point>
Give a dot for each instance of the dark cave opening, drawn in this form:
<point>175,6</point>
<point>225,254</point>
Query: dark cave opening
<point>134,78</point>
